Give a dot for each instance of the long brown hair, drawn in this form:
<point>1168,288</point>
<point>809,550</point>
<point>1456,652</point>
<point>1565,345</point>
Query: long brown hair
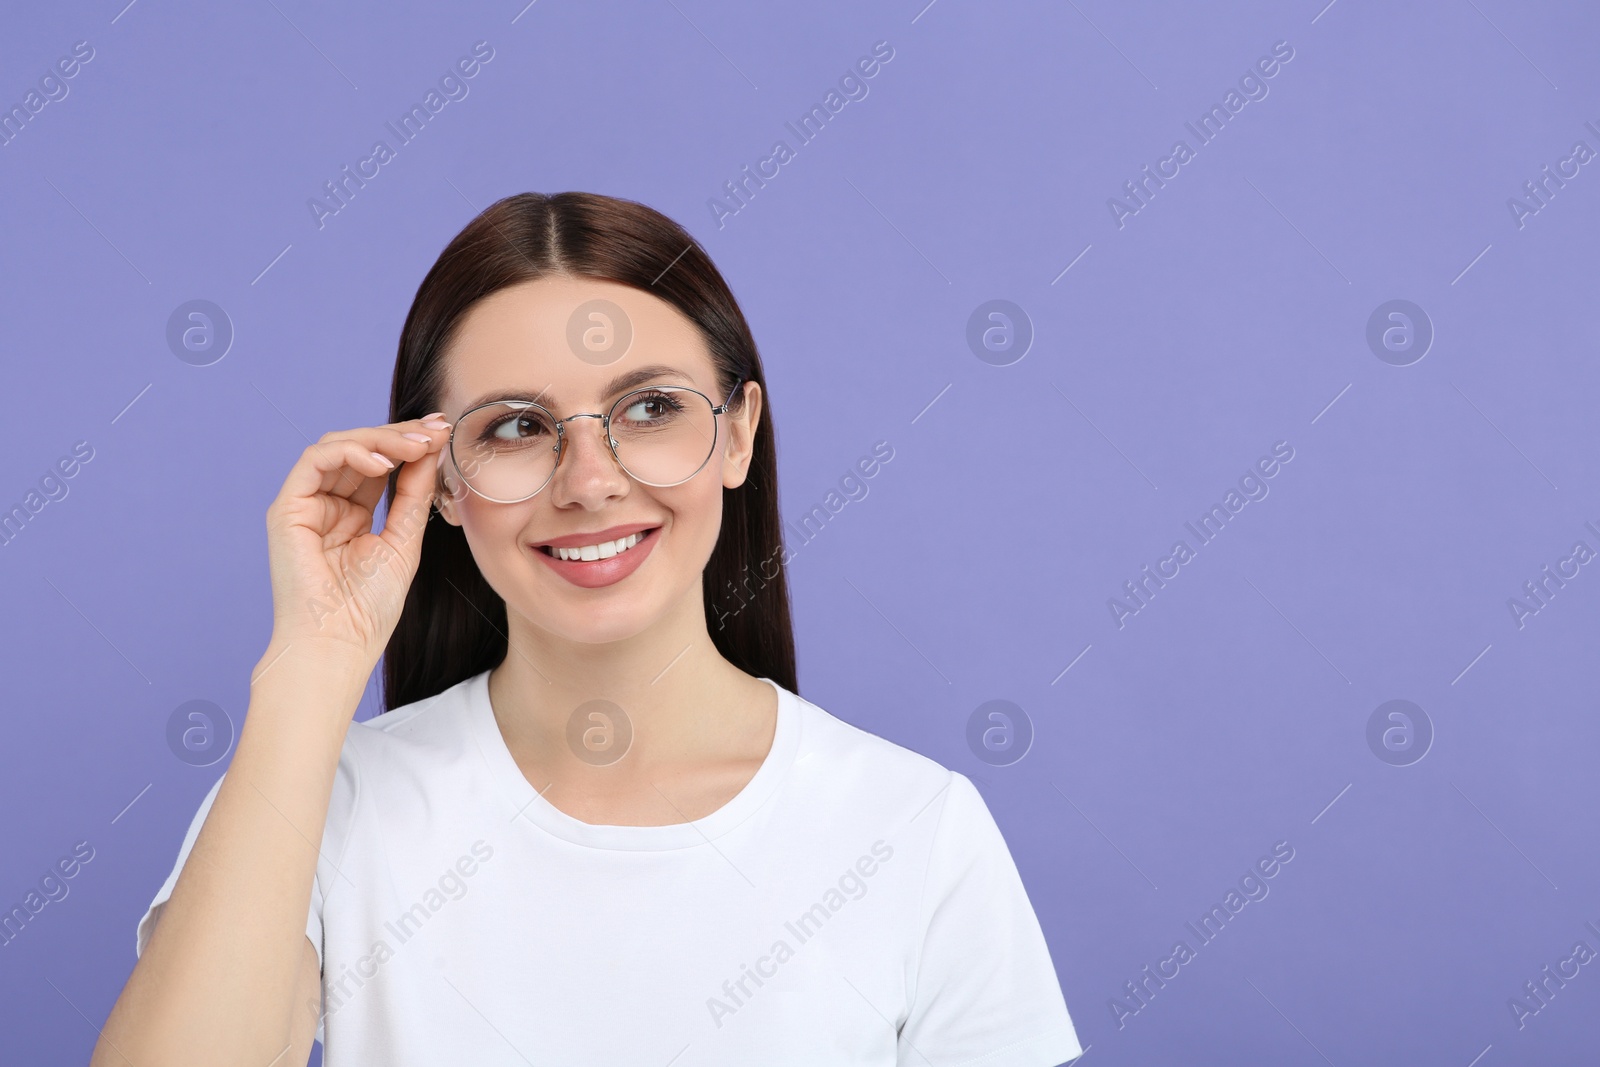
<point>453,625</point>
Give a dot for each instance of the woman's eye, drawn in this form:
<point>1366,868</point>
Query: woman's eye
<point>513,429</point>
<point>648,409</point>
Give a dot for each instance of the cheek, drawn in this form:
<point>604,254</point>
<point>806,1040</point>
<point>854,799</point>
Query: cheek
<point>696,511</point>
<point>706,505</point>
<point>492,530</point>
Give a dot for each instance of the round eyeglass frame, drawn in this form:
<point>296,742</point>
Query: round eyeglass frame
<point>605,423</point>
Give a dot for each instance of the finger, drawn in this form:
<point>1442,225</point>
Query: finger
<point>448,479</point>
<point>406,447</point>
<point>397,443</point>
<point>407,424</point>
<point>400,441</point>
<point>407,518</point>
<point>337,467</point>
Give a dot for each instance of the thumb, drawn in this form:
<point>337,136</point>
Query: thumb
<point>407,517</point>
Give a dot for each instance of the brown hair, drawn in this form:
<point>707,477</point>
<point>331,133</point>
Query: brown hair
<point>453,624</point>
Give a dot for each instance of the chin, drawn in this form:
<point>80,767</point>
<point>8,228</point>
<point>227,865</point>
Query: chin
<point>602,632</point>
<point>592,623</point>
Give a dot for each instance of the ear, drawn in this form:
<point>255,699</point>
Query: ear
<point>741,427</point>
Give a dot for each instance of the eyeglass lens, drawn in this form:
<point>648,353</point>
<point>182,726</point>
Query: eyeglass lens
<point>507,451</point>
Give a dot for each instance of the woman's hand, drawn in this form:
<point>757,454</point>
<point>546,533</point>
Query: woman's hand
<point>337,587</point>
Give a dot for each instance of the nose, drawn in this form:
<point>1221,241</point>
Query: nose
<point>587,468</point>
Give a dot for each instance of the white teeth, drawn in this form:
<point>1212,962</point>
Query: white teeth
<point>601,551</point>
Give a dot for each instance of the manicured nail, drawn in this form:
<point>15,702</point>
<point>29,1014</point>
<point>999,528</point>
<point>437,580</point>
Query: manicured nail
<point>434,415</point>
<point>424,438</point>
<point>381,458</point>
<point>436,424</point>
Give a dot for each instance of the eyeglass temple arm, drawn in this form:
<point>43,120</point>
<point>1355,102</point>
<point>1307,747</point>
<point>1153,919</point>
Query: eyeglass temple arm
<point>723,407</point>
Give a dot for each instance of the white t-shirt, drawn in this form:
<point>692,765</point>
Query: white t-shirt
<point>855,903</point>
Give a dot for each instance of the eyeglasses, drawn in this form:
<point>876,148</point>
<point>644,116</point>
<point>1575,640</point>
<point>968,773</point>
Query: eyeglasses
<point>506,451</point>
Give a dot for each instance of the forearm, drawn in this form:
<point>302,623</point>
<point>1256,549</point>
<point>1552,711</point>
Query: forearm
<point>217,980</point>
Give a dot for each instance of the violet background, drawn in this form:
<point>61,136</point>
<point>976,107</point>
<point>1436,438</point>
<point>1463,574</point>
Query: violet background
<point>1229,314</point>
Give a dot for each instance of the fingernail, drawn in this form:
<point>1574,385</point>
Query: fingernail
<point>436,424</point>
<point>424,438</point>
<point>434,415</point>
<point>381,458</point>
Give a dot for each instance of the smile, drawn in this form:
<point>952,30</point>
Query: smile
<point>604,550</point>
<point>604,562</point>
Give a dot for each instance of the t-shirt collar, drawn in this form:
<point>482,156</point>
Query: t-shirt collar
<point>525,804</point>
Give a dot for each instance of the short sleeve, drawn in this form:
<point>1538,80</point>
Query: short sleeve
<point>147,924</point>
<point>986,993</point>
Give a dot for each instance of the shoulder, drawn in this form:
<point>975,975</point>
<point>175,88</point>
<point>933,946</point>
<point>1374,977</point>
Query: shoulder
<point>434,724</point>
<point>870,772</point>
<point>852,748</point>
<point>415,742</point>
<point>401,756</point>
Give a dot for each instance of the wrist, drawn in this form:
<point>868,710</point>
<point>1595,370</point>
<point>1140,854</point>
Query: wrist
<point>332,668</point>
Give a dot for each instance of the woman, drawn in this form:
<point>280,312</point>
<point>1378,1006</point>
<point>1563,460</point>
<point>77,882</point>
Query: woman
<point>598,825</point>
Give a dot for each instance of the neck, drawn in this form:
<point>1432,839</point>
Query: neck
<point>681,699</point>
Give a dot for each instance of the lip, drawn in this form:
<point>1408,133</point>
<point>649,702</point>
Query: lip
<point>596,573</point>
<point>610,533</point>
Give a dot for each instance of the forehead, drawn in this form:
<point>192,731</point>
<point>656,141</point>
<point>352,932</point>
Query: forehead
<point>551,338</point>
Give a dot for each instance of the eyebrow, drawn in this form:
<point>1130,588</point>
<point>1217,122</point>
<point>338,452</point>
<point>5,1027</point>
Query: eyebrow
<point>625,382</point>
